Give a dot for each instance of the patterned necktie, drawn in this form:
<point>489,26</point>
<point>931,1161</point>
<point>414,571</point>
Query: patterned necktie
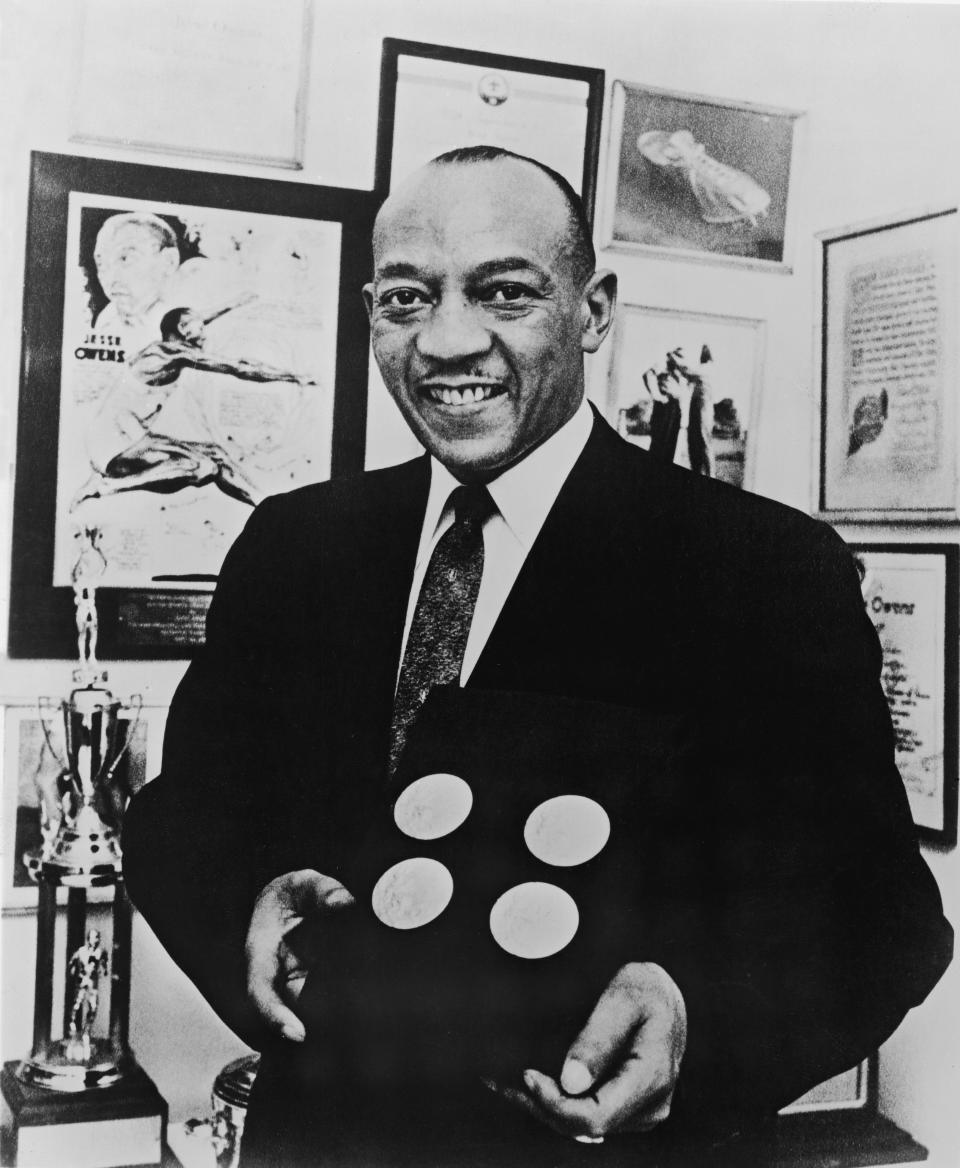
<point>441,620</point>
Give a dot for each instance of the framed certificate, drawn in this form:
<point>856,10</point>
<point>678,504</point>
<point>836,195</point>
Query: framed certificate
<point>434,98</point>
<point>192,344</point>
<point>910,592</point>
<point>220,79</point>
<point>888,370</point>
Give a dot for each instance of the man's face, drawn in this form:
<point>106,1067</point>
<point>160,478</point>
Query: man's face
<point>133,269</point>
<point>478,322</point>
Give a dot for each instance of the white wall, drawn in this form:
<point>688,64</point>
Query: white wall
<point>881,88</point>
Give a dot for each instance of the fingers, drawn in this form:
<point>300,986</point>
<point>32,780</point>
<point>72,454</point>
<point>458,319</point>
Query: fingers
<point>263,978</point>
<point>276,970</point>
<point>608,1031</point>
<point>621,1071</point>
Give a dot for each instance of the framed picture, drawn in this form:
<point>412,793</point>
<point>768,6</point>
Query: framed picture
<point>213,80</point>
<point>701,178</point>
<point>434,98</point>
<point>888,370</point>
<point>33,754</point>
<point>910,592</point>
<point>688,386</point>
<point>192,344</point>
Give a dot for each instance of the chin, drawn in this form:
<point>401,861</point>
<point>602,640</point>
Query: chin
<point>469,460</point>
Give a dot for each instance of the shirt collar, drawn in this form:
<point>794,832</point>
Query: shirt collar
<point>525,493</point>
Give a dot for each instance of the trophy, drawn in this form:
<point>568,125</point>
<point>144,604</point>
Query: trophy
<point>80,1067</point>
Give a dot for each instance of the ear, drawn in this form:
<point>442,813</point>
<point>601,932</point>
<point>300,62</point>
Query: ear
<point>367,292</point>
<point>597,305</point>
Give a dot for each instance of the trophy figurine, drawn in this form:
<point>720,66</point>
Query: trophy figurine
<point>80,1063</point>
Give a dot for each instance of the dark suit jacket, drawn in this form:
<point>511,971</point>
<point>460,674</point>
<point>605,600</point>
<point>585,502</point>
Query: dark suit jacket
<point>806,923</point>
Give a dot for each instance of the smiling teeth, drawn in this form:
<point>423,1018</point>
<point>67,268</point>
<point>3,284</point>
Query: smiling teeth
<point>461,397</point>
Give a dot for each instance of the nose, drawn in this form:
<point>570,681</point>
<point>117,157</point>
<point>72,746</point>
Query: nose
<point>455,330</point>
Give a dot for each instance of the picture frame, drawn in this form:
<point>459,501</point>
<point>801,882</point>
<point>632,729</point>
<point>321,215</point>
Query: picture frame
<point>912,594</point>
<point>434,98</point>
<point>887,365</point>
<point>732,376</point>
<point>29,761</point>
<point>854,1090</point>
<point>702,178</point>
<point>215,80</point>
<point>230,362</point>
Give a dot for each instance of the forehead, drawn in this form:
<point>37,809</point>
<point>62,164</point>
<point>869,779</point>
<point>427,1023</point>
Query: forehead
<point>460,216</point>
<point>129,237</point>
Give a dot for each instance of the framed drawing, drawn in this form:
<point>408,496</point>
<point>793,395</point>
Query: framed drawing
<point>910,591</point>
<point>214,80</point>
<point>888,370</point>
<point>701,178</point>
<point>33,746</point>
<point>192,343</point>
<point>704,372</point>
<point>434,98</point>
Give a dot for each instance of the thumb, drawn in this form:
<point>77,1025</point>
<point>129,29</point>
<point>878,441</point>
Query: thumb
<point>263,968</point>
<point>608,1032</point>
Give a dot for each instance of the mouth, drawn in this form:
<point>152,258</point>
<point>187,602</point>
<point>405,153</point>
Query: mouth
<point>461,395</point>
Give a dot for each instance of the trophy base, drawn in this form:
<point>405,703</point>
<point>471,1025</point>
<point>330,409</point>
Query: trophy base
<point>123,1126</point>
<point>74,1065</point>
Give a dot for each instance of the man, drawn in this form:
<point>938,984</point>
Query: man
<point>799,923</point>
<point>132,446</point>
<point>136,255</point>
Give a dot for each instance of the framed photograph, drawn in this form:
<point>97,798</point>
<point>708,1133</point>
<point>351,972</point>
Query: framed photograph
<point>687,386</point>
<point>910,592</point>
<point>701,178</point>
<point>434,98</point>
<point>217,80</point>
<point>192,344</point>
<point>33,754</point>
<point>888,370</point>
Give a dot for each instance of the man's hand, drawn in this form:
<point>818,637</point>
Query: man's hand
<point>276,964</point>
<point>621,1071</point>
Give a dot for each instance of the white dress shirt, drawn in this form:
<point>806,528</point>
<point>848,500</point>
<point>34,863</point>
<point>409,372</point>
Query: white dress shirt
<point>523,496</point>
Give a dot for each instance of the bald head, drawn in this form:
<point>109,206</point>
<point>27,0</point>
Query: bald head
<point>522,184</point>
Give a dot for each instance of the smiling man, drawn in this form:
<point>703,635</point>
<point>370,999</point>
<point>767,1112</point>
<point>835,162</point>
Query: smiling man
<point>532,553</point>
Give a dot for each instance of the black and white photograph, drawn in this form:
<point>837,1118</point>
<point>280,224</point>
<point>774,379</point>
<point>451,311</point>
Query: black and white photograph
<point>479,584</point>
<point>688,387</point>
<point>702,177</point>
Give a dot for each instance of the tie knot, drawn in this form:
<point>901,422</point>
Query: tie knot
<point>472,503</point>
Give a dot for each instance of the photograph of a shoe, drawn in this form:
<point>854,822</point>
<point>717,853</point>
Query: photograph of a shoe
<point>701,177</point>
<point>725,194</point>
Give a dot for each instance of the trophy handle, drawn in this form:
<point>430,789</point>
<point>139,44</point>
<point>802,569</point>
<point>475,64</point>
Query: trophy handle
<point>135,702</point>
<point>44,706</point>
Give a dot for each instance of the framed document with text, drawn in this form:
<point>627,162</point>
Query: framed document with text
<point>192,344</point>
<point>220,79</point>
<point>434,98</point>
<point>910,592</point>
<point>888,370</point>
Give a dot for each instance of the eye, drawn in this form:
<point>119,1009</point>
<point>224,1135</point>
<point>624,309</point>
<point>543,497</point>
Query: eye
<point>402,298</point>
<point>506,293</point>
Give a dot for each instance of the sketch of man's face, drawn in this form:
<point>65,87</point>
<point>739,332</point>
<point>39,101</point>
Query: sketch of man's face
<point>133,268</point>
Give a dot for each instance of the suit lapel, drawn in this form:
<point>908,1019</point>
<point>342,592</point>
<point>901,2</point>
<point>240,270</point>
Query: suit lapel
<point>383,533</point>
<point>563,602</point>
